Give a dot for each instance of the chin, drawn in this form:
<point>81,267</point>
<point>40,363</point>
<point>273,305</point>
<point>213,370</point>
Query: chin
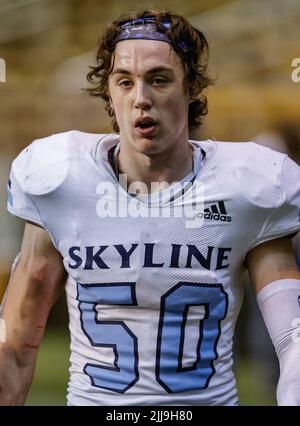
<point>145,145</point>
<point>149,146</point>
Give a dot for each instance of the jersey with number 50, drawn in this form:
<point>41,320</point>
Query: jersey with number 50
<point>153,291</point>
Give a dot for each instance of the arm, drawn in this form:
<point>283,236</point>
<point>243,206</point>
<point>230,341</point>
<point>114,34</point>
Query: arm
<point>270,262</point>
<point>34,286</point>
<point>276,280</point>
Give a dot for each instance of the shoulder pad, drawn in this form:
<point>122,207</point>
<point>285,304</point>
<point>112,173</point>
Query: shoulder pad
<point>43,165</point>
<point>256,169</point>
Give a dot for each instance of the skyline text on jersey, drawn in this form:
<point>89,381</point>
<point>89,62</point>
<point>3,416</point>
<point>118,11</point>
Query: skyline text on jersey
<point>179,255</point>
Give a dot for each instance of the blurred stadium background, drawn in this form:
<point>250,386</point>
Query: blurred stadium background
<point>48,45</point>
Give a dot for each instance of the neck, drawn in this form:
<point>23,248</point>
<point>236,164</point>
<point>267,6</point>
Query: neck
<point>170,165</point>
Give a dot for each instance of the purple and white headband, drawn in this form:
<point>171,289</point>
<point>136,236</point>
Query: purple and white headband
<point>145,29</point>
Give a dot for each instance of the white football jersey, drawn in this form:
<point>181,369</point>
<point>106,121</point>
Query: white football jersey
<point>153,298</point>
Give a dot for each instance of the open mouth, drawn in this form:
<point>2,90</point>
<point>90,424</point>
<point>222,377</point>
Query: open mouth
<point>146,126</point>
<point>145,122</point>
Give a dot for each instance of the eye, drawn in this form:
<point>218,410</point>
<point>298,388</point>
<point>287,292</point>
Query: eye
<point>125,83</point>
<point>159,80</point>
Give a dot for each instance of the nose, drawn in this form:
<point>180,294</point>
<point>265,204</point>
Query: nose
<point>142,97</point>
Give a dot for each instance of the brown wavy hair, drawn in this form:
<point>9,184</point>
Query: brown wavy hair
<point>193,56</point>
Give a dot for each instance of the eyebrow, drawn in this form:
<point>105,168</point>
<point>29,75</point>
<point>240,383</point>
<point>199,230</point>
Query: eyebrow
<point>151,71</point>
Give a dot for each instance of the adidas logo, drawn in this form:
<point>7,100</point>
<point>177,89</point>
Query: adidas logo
<point>215,212</point>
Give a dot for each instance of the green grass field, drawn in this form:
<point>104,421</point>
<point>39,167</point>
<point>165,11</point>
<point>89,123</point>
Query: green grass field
<point>51,377</point>
<point>52,371</point>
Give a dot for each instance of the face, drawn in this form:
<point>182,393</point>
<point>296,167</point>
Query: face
<point>148,94</point>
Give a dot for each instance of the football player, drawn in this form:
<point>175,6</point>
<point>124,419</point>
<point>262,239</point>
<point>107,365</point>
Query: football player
<point>153,292</point>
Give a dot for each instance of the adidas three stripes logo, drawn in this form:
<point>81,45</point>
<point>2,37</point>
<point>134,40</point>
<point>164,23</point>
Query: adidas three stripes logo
<point>216,212</point>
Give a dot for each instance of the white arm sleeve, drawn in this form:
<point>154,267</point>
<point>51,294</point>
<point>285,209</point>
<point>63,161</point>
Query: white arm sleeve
<point>279,303</point>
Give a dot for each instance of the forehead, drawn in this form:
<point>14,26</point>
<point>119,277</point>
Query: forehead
<point>141,55</point>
